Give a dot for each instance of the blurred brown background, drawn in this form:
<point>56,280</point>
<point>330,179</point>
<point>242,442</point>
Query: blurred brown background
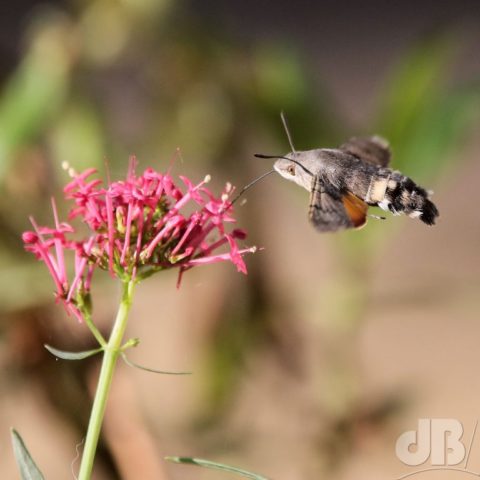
<point>312,365</point>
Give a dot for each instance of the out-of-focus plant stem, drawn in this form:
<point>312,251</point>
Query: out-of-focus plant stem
<point>112,351</point>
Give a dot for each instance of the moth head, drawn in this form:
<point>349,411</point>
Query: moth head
<point>290,167</point>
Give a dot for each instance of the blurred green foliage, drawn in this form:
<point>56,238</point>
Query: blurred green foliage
<point>34,93</point>
<point>424,118</point>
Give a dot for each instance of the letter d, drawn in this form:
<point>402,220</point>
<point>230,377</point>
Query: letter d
<point>420,441</point>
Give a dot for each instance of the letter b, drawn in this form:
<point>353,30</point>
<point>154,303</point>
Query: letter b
<point>447,449</point>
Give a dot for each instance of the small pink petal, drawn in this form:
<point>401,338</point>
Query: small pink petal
<point>29,237</point>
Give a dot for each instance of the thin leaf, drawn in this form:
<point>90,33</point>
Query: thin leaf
<point>414,85</point>
<point>35,92</point>
<point>26,465</point>
<point>439,131</point>
<point>215,466</point>
<point>146,369</point>
<point>72,355</point>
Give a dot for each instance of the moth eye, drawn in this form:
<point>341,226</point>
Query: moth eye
<point>291,169</point>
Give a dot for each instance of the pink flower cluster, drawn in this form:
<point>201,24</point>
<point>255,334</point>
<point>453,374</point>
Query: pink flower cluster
<point>137,227</point>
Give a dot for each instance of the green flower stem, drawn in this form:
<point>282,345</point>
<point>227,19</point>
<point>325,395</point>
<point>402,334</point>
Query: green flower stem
<point>94,329</point>
<point>110,356</point>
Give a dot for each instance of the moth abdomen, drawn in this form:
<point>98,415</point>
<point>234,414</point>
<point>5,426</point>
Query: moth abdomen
<point>399,194</point>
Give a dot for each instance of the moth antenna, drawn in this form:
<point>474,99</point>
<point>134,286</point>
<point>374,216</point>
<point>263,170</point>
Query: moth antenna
<point>249,185</point>
<point>305,169</point>
<point>287,131</point>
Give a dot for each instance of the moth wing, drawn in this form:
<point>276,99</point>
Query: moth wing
<point>329,214</point>
<point>356,210</point>
<point>374,150</point>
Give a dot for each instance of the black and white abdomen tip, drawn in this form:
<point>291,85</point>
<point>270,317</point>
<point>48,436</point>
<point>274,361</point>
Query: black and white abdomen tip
<point>396,193</point>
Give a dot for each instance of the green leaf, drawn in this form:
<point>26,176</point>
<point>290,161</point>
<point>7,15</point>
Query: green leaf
<point>413,86</point>
<point>72,355</point>
<point>26,465</point>
<point>439,131</point>
<point>35,92</point>
<point>146,369</point>
<point>215,466</point>
<point>424,119</point>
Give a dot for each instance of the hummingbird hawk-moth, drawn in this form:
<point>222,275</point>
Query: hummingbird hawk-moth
<point>343,182</point>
